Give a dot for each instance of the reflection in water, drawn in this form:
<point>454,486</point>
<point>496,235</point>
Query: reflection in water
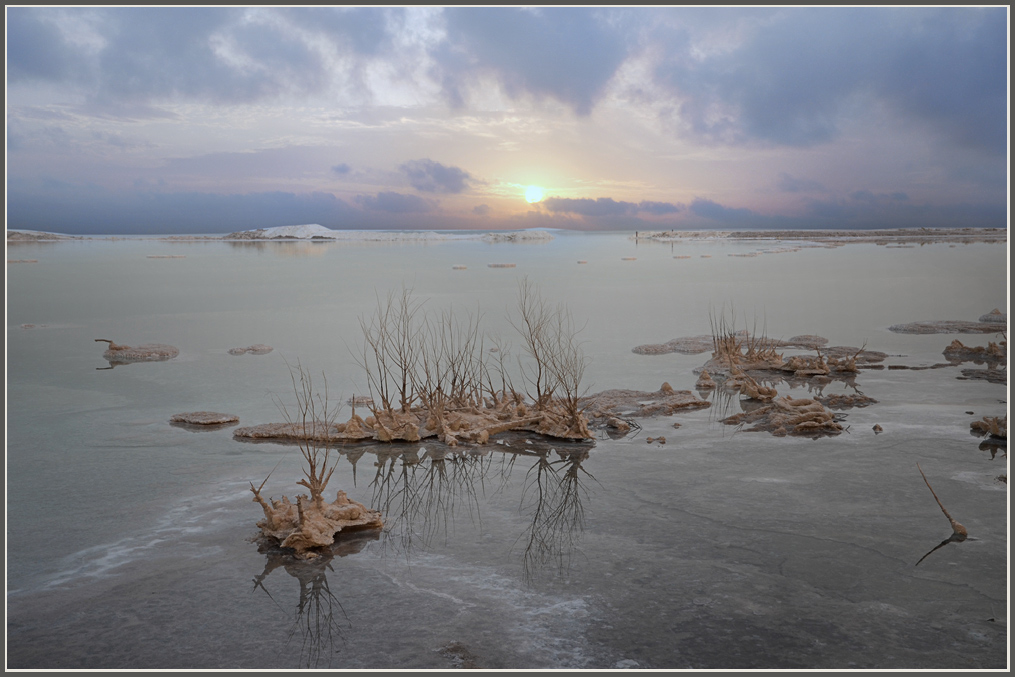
<point>956,537</point>
<point>554,495</point>
<point>318,611</point>
<point>283,248</point>
<point>422,490</point>
<point>994,445</point>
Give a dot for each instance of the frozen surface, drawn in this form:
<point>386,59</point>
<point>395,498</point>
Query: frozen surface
<point>128,537</point>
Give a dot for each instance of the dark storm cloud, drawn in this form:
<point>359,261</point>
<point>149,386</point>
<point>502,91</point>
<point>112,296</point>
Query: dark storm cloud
<point>606,206</point>
<point>800,73</point>
<point>433,177</point>
<point>396,203</point>
<point>727,215</point>
<point>566,53</point>
<point>65,208</point>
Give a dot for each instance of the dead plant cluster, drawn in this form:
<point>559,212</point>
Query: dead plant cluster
<point>311,524</point>
<point>436,374</point>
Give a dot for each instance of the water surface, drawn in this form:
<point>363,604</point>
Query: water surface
<point>128,538</point>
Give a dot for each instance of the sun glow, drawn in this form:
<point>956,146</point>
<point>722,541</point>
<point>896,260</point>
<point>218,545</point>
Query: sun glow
<point>533,194</point>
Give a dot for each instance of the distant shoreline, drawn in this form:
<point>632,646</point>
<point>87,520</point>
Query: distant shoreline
<point>879,236</point>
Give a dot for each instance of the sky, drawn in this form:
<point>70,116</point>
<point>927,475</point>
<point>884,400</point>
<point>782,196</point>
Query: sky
<point>211,120</point>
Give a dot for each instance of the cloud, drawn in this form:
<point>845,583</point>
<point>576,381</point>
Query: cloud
<point>875,198</point>
<point>791,184</point>
<point>659,208</point>
<point>605,206</point>
<point>481,210</point>
<point>433,177</point>
<point>35,48</point>
<point>794,77</point>
<point>341,169</point>
<point>566,53</point>
<point>865,210</point>
<point>396,203</point>
<point>727,215</point>
<point>219,55</point>
<point>70,208</point>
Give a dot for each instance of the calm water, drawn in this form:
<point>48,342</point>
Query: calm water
<point>128,538</point>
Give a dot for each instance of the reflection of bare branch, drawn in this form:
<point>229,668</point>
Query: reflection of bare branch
<point>319,615</point>
<point>555,492</point>
<point>421,491</point>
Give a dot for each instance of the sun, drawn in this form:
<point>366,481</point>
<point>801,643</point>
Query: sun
<point>533,194</point>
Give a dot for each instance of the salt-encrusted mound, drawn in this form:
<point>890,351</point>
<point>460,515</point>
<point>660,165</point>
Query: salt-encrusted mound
<point>663,402</point>
<point>149,352</point>
<point>789,416</point>
<point>994,316</point>
<point>993,353</point>
<point>996,426</point>
<point>256,349</point>
<point>308,524</point>
<point>950,327</point>
<point>692,345</point>
<point>204,418</point>
<point>320,432</point>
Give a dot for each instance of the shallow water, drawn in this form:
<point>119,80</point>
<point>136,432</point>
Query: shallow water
<point>128,537</point>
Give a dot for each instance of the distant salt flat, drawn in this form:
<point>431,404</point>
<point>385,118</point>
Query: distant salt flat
<point>314,231</point>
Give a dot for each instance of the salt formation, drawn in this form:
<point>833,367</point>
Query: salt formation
<point>995,316</point>
<point>788,416</point>
<point>691,345</point>
<point>311,523</point>
<point>705,381</point>
<point>995,426</point>
<point>204,418</point>
<point>149,352</point>
<point>637,403</point>
<point>430,376</point>
<point>996,353</point>
<point>846,401</point>
<point>519,236</point>
<point>950,327</point>
<point>256,349</point>
<point>315,231</point>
